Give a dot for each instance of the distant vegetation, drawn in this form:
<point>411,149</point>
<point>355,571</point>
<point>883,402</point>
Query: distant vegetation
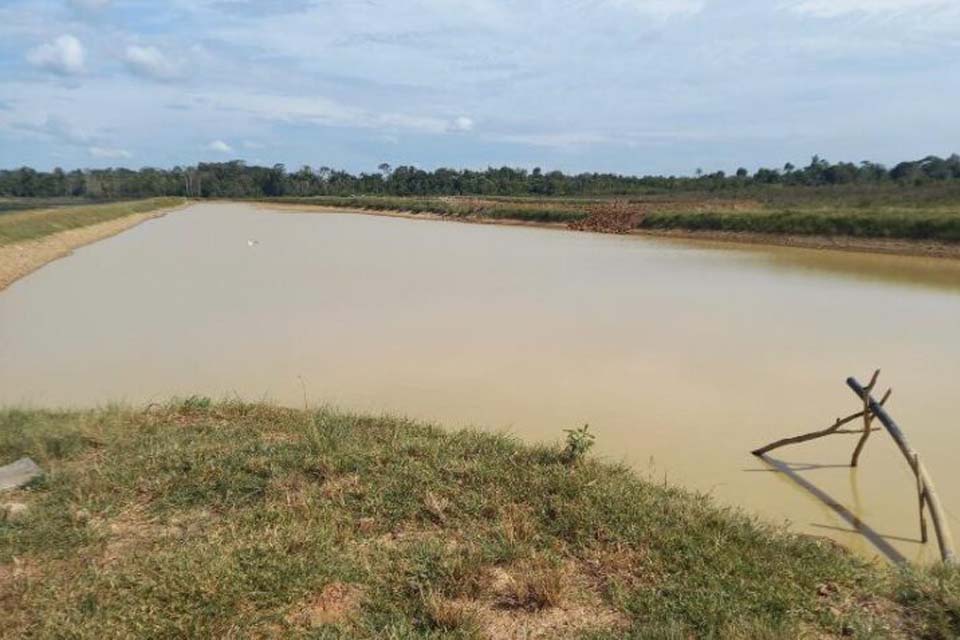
<point>237,180</point>
<point>918,200</point>
<point>940,226</point>
<point>196,519</point>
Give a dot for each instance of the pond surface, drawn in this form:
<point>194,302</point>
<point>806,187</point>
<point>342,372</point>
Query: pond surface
<point>681,356</point>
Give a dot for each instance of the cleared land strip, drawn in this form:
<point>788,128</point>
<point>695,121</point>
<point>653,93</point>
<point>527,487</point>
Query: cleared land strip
<point>659,225</point>
<point>31,239</point>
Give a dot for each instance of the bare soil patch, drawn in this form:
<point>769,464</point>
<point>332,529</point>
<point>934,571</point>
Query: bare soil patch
<point>336,603</point>
<point>529,600</point>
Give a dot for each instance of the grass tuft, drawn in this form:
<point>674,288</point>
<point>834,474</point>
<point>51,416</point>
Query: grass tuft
<point>533,584</point>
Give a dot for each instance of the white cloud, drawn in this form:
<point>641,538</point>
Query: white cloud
<point>463,123</point>
<point>833,8</point>
<point>322,111</point>
<point>660,8</point>
<point>65,133</point>
<point>60,130</point>
<point>556,140</point>
<point>220,146</point>
<point>89,5</point>
<point>64,56</point>
<point>471,82</point>
<point>151,62</point>
<point>107,152</point>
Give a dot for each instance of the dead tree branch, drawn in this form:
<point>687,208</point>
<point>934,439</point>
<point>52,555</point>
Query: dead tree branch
<point>829,431</point>
<point>873,409</point>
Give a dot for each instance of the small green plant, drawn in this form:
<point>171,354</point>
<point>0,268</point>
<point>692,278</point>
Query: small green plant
<point>195,404</point>
<point>579,442</point>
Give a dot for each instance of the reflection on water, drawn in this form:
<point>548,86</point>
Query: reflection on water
<point>935,273</point>
<point>915,271</point>
<point>682,356</point>
<point>795,473</point>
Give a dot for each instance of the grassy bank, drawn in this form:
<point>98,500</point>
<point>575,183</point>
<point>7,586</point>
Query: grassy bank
<point>939,225</point>
<point>238,520</point>
<point>12,205</point>
<point>529,210</point>
<point>900,214</point>
<point>929,214</point>
<point>33,224</point>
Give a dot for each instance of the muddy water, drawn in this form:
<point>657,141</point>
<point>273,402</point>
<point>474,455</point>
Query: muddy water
<point>681,356</point>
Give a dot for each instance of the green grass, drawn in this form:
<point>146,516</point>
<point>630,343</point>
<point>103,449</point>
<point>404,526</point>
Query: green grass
<point>199,519</point>
<point>30,225</point>
<point>936,224</point>
<point>12,205</point>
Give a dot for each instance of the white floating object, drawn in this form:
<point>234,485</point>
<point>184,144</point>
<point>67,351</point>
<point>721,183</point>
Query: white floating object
<point>252,243</point>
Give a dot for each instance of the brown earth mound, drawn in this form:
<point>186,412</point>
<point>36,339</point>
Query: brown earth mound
<point>617,216</point>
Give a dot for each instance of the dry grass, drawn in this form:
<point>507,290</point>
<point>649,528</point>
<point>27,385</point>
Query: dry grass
<point>453,615</point>
<point>533,598</point>
<point>532,584</point>
<point>336,604</point>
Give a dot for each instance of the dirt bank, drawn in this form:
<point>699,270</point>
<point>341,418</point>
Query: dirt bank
<point>837,243</point>
<point>20,258</point>
<point>890,246</point>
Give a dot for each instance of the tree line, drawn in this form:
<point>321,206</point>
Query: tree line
<point>238,180</point>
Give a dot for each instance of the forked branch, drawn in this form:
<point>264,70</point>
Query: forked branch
<point>829,431</point>
<point>926,493</point>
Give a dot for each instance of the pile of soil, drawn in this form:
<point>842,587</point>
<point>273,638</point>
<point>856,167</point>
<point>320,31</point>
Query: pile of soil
<point>618,216</point>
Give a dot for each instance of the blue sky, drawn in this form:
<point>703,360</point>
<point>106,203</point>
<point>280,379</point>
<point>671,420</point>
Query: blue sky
<point>632,86</point>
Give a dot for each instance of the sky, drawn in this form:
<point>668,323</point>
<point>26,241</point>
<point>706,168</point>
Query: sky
<point>628,86</point>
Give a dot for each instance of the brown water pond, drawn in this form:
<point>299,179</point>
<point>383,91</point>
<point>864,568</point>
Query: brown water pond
<point>682,356</point>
